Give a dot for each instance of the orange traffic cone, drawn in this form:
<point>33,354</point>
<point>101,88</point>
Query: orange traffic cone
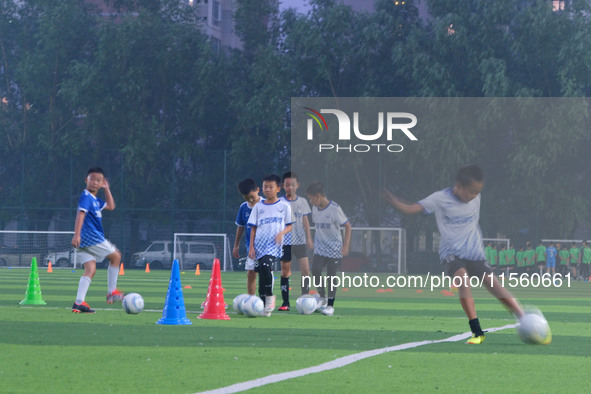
<point>121,269</point>
<point>147,268</point>
<point>214,307</point>
<point>49,269</point>
<point>197,272</point>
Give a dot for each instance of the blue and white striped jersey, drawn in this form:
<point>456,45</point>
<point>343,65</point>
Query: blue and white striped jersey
<point>92,230</point>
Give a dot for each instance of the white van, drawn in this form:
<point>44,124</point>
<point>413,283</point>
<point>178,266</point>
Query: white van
<point>190,254</point>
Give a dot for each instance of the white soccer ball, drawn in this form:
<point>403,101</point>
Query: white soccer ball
<point>133,303</point>
<point>252,306</point>
<point>534,329</point>
<point>237,303</point>
<point>306,304</point>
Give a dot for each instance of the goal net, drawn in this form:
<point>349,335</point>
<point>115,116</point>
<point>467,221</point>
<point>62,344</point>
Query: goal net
<point>192,249</point>
<point>376,249</point>
<point>17,248</point>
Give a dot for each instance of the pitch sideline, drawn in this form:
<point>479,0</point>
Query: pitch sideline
<point>338,363</point>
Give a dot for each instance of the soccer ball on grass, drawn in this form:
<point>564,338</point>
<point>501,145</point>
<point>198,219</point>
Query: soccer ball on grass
<point>237,303</point>
<point>306,304</point>
<point>534,329</point>
<point>133,303</point>
<point>252,306</point>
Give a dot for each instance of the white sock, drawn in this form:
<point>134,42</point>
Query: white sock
<point>83,286</point>
<point>112,275</point>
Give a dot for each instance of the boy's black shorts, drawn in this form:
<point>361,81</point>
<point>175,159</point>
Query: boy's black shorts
<point>267,260</point>
<point>291,252</point>
<point>474,268</point>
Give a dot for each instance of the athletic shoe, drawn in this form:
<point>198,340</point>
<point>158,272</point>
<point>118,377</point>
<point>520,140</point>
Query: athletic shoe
<point>328,311</point>
<point>116,295</point>
<point>321,303</point>
<point>475,340</point>
<point>269,306</point>
<point>82,308</point>
<point>283,308</point>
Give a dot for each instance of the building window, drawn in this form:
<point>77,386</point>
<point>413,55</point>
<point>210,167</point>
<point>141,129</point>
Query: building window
<point>216,13</point>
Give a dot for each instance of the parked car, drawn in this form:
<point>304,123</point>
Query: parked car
<point>66,259</point>
<point>15,257</point>
<point>190,254</point>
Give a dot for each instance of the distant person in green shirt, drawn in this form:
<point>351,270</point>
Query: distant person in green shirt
<point>541,256</point>
<point>563,257</point>
<point>530,257</point>
<point>492,257</point>
<point>575,259</point>
<point>510,258</point>
<point>520,259</point>
<point>586,261</point>
<point>487,249</point>
<point>502,261</point>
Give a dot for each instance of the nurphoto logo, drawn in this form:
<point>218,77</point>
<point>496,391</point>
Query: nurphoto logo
<point>391,125</point>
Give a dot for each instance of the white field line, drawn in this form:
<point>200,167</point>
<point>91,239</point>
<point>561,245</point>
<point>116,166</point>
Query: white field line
<point>338,363</point>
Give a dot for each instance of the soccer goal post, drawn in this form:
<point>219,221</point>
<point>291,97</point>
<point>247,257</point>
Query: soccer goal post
<point>498,241</point>
<point>17,248</point>
<point>193,249</point>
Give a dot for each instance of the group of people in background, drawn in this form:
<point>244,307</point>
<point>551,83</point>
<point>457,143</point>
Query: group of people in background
<point>277,229</point>
<point>550,257</point>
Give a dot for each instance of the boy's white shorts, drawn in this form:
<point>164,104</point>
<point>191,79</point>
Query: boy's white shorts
<point>249,264</point>
<point>97,252</point>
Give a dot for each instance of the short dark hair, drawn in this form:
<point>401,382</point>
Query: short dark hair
<point>95,170</point>
<point>315,188</point>
<point>272,178</point>
<point>290,174</point>
<point>467,175</point>
<point>246,186</point>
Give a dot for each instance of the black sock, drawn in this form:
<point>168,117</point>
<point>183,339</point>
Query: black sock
<point>285,290</point>
<point>330,301</point>
<point>475,327</point>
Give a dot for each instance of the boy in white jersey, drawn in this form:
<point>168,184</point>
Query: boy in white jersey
<point>457,211</point>
<point>295,242</point>
<point>250,193</point>
<point>329,247</point>
<point>89,239</point>
<point>270,220</point>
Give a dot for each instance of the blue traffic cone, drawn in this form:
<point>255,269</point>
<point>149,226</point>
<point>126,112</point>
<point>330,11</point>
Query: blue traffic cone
<point>174,312</point>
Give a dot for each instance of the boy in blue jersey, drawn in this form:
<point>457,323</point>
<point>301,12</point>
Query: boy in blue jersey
<point>270,220</point>
<point>457,211</point>
<point>295,242</point>
<point>89,239</point>
<point>329,246</point>
<point>250,193</point>
<point>551,253</point>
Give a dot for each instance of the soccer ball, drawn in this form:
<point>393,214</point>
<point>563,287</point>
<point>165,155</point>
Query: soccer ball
<point>306,304</point>
<point>133,303</point>
<point>252,306</point>
<point>237,303</point>
<point>533,329</point>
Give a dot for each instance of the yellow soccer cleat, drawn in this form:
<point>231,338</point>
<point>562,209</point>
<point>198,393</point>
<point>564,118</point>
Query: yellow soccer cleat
<point>475,340</point>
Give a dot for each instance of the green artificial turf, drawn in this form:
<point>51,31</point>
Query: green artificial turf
<point>49,349</point>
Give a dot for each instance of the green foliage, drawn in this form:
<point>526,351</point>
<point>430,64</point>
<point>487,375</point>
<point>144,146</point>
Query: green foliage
<point>147,92</point>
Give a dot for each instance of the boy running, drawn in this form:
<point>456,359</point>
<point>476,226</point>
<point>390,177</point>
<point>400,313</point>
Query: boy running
<point>250,193</point>
<point>457,211</point>
<point>329,247</point>
<point>89,239</point>
<point>270,220</point>
<point>295,241</point>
